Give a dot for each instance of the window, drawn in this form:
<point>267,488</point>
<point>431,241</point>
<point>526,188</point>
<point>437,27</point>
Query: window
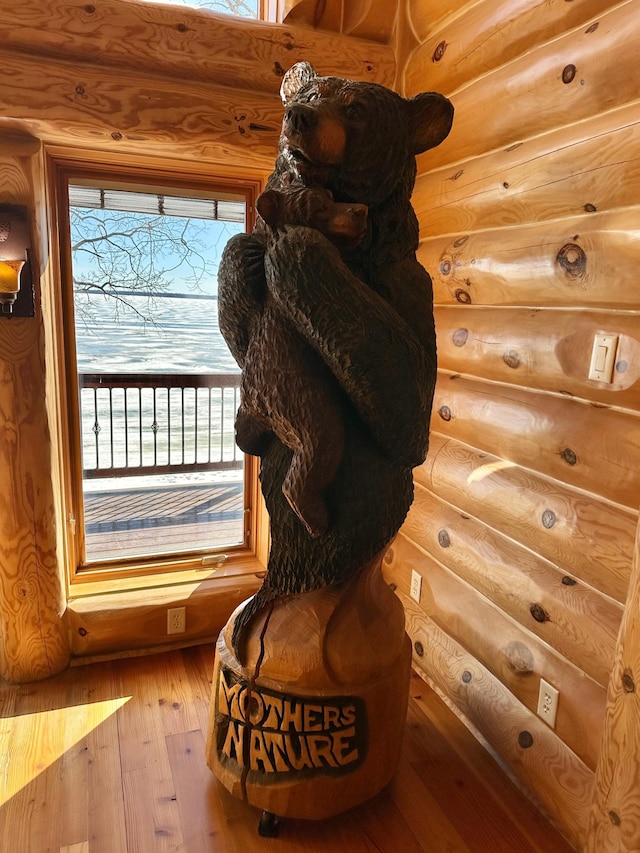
<point>152,390</point>
<point>241,8</point>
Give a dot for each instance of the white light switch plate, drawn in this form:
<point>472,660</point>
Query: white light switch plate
<point>416,585</point>
<point>603,358</point>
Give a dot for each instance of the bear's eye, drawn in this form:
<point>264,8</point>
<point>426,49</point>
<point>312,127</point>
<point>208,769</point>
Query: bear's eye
<point>355,112</point>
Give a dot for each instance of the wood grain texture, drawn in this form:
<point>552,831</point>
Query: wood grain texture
<point>586,260</point>
<point>490,34</point>
<point>527,746</point>
<point>589,447</point>
<point>538,97</point>
<point>33,643</point>
<point>528,224</point>
<point>121,621</point>
<point>574,620</point>
<point>591,540</point>
<point>547,350</point>
<point>423,17</point>
<point>119,767</point>
<point>509,649</point>
<point>328,673</point>
<point>108,109</point>
<point>187,44</point>
<point>361,19</point>
<point>570,172</point>
<point>614,825</point>
<point>370,20</point>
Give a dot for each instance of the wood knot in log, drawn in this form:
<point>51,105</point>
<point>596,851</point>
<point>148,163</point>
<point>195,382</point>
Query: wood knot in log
<point>628,683</point>
<point>569,456</point>
<point>438,53</point>
<point>512,359</point>
<point>539,613</point>
<point>419,648</point>
<point>520,658</point>
<point>548,518</point>
<point>525,739</point>
<point>572,259</point>
<point>444,539</point>
<point>568,73</point>
<point>460,337</point>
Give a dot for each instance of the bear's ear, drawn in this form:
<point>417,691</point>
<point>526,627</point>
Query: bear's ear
<point>268,205</point>
<point>294,79</point>
<point>430,119</point>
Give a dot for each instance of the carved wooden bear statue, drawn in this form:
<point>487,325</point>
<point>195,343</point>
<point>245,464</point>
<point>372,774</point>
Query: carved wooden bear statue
<point>287,389</point>
<point>366,312</point>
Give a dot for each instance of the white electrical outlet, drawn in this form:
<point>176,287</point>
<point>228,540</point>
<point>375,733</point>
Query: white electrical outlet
<point>176,620</point>
<point>548,703</point>
<point>416,585</point>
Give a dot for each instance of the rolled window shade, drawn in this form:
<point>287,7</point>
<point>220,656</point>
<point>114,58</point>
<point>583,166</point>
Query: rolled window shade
<point>100,198</point>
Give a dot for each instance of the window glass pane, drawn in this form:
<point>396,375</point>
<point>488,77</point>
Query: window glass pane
<point>242,8</point>
<point>158,388</point>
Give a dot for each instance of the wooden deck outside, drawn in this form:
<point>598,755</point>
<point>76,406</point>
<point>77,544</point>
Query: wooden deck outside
<point>110,758</point>
<point>171,518</point>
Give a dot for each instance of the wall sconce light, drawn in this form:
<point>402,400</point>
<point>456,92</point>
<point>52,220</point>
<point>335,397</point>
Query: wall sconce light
<point>16,289</point>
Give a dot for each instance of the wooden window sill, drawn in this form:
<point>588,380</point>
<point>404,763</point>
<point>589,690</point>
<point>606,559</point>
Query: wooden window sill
<point>116,618</point>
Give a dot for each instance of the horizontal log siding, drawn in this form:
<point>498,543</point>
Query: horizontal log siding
<point>162,81</point>
<point>524,521</point>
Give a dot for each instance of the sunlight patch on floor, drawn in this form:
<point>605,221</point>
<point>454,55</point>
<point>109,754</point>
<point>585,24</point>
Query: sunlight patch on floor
<point>33,742</point>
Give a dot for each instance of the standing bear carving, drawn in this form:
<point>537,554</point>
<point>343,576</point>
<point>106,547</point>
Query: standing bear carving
<point>364,309</point>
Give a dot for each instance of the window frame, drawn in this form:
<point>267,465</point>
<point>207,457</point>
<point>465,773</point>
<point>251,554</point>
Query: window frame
<point>64,167</point>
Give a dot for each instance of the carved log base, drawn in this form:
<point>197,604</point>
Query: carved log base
<point>313,723</point>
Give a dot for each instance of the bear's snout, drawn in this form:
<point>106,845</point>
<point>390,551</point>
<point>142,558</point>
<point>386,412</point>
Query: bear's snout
<point>300,118</point>
<point>314,135</point>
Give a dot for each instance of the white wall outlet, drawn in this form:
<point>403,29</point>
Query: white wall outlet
<point>416,585</point>
<point>176,620</point>
<point>548,703</point>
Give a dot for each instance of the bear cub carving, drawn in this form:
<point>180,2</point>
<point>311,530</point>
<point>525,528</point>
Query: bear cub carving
<point>302,405</point>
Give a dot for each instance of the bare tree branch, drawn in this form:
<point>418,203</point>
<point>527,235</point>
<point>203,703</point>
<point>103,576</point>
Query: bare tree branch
<point>121,254</point>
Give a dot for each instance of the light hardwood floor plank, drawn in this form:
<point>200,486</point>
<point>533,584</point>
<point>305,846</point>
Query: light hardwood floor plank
<point>110,758</point>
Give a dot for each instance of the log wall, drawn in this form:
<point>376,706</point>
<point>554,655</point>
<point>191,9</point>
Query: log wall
<point>526,509</point>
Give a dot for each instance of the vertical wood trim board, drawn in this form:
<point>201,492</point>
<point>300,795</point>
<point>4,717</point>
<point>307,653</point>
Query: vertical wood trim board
<point>614,825</point>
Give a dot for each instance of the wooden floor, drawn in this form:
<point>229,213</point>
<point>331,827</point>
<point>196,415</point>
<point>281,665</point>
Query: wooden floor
<point>109,758</point>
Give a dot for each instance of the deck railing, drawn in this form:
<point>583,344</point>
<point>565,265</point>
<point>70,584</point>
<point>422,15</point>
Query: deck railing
<point>158,423</point>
